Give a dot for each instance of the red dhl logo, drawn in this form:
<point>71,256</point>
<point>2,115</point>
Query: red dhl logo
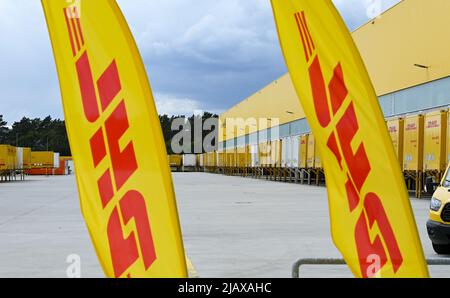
<point>139,244</point>
<point>411,126</point>
<point>433,124</point>
<point>392,129</point>
<point>358,163</point>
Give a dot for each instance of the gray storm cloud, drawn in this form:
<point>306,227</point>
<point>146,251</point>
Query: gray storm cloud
<point>209,55</point>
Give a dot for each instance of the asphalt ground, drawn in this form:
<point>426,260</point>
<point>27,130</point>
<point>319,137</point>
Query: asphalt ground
<point>232,227</point>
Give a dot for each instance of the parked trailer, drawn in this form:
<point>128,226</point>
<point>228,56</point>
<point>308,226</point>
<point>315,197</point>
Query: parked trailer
<point>19,158</point>
<point>221,161</point>
<point>8,162</point>
<point>396,131</point>
<point>289,160</point>
<point>189,162</point>
<point>70,167</point>
<point>42,159</point>
<point>241,160</point>
<point>421,143</point>
<point>197,162</point>
<point>211,161</point>
<point>20,162</point>
<point>230,160</point>
<point>55,160</point>
<point>434,148</point>
<point>413,152</point>
<point>61,169</point>
<point>66,165</point>
<point>175,162</point>
<point>254,152</point>
<point>313,161</point>
<point>26,158</point>
<point>303,152</point>
<point>275,171</point>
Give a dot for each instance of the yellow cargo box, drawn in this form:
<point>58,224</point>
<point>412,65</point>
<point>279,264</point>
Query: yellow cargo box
<point>311,152</point>
<point>303,151</point>
<point>221,159</point>
<point>413,143</point>
<point>241,155</point>
<point>317,158</point>
<point>231,158</point>
<point>12,160</point>
<point>26,158</point>
<point>8,157</point>
<point>42,159</point>
<point>204,160</point>
<point>207,159</point>
<point>264,154</point>
<point>248,156</point>
<point>214,159</point>
<point>434,140</point>
<point>211,159</point>
<point>275,153</point>
<point>396,131</point>
<point>175,160</point>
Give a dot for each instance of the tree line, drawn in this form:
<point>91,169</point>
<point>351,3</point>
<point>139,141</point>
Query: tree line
<point>50,134</point>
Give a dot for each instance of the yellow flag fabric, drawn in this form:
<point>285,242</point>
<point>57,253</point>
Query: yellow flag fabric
<point>124,181</point>
<point>371,218</point>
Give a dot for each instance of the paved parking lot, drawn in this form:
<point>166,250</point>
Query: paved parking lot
<point>232,227</point>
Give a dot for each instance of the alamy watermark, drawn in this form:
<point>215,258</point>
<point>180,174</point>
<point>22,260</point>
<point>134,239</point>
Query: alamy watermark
<point>73,270</point>
<point>199,134</point>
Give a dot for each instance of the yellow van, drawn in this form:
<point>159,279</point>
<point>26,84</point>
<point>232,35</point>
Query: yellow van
<point>438,225</point>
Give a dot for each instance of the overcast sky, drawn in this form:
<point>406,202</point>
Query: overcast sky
<point>202,54</point>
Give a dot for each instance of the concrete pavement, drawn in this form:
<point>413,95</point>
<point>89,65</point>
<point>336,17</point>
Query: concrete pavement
<point>232,227</point>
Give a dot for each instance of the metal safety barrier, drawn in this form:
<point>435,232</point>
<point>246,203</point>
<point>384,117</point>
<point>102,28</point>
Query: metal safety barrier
<point>301,262</point>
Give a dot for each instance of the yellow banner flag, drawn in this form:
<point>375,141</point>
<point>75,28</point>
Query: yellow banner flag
<point>372,222</point>
<point>121,166</point>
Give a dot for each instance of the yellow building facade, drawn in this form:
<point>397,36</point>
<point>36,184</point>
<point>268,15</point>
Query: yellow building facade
<point>406,54</point>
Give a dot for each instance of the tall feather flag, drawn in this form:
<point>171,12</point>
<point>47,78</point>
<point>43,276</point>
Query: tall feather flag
<point>124,182</point>
<point>371,218</point>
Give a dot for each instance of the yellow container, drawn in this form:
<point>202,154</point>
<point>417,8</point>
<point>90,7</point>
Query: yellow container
<point>303,152</point>
<point>41,159</point>
<point>317,158</point>
<point>413,143</point>
<point>207,159</point>
<point>264,154</point>
<point>197,159</point>
<point>275,153</point>
<point>204,160</point>
<point>231,158</point>
<point>26,158</point>
<point>8,158</point>
<point>311,152</point>
<point>12,160</point>
<point>396,131</point>
<point>211,159</point>
<point>241,156</point>
<point>175,160</point>
<point>248,159</point>
<point>434,139</point>
<point>221,158</point>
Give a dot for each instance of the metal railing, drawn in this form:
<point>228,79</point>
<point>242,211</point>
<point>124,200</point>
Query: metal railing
<point>310,261</point>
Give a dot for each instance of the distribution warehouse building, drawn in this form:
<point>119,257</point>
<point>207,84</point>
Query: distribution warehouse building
<point>407,54</point>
